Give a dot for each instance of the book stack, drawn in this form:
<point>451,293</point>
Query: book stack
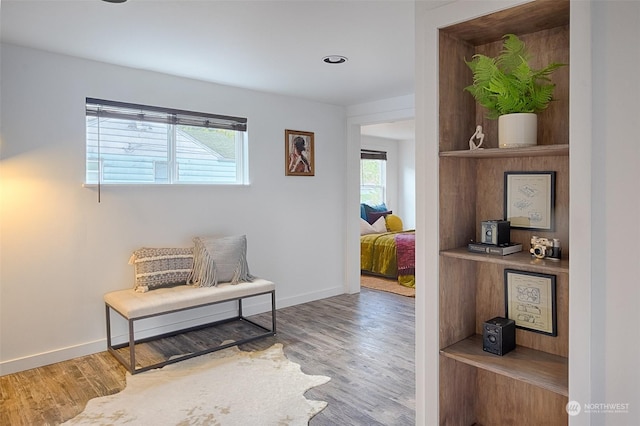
<point>491,249</point>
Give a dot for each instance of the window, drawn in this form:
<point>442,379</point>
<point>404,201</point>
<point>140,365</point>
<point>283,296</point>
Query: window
<point>373,177</point>
<point>139,144</point>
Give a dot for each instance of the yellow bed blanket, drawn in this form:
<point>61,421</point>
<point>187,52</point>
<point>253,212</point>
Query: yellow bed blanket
<point>379,256</point>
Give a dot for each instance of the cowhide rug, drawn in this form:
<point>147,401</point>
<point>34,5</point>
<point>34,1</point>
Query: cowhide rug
<point>227,387</point>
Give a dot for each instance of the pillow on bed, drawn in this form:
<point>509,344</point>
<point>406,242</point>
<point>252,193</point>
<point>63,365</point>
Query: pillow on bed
<point>161,267</point>
<point>394,223</point>
<point>374,216</point>
<point>378,227</point>
<point>219,260</point>
<point>365,209</point>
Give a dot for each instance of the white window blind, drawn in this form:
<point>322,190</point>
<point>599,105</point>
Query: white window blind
<point>140,144</point>
<point>373,177</point>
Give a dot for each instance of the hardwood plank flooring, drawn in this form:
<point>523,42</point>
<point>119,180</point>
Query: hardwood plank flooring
<point>364,342</point>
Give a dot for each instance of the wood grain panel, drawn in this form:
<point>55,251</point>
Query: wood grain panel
<point>456,105</point>
<point>527,18</point>
<point>457,300</point>
<point>505,401</point>
<point>490,294</point>
<point>547,47</point>
<point>457,393</point>
<point>457,202</point>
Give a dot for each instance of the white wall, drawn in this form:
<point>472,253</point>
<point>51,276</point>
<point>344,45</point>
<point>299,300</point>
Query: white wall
<point>605,205</point>
<point>61,250</point>
<point>407,181</point>
<point>615,209</point>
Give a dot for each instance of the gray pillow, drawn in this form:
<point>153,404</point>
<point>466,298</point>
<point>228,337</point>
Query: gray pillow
<point>161,267</point>
<point>219,260</point>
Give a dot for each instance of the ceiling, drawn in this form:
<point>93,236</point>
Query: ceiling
<point>271,46</point>
<point>397,130</point>
<point>264,45</point>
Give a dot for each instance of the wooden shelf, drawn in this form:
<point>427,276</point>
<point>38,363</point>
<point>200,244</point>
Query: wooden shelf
<point>521,259</point>
<point>547,371</point>
<point>532,151</point>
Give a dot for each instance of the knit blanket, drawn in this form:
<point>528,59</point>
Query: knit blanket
<point>406,253</point>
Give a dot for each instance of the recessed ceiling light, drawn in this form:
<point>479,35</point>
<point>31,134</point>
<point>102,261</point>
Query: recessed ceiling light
<point>335,59</point>
<point>115,1</point>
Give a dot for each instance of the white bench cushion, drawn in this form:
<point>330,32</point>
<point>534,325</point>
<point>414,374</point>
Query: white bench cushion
<point>132,304</point>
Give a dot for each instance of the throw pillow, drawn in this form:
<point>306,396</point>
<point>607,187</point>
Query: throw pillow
<point>365,209</point>
<point>374,216</point>
<point>161,267</point>
<point>378,227</point>
<point>394,223</point>
<point>366,228</point>
<point>219,260</point>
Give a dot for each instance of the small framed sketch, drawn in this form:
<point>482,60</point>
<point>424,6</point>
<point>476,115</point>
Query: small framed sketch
<point>529,200</point>
<point>530,300</point>
<point>299,154</point>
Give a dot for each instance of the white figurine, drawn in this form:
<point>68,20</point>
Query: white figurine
<point>477,135</point>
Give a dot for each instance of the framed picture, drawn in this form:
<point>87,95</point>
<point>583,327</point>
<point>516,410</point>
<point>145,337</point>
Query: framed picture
<point>529,200</point>
<point>299,154</point>
<point>530,300</point>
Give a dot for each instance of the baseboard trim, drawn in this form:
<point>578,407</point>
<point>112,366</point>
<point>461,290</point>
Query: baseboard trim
<point>100,345</point>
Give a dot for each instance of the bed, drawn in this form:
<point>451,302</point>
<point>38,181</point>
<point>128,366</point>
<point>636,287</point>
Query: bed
<point>386,249</point>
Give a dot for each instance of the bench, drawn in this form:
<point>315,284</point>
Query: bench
<point>134,306</point>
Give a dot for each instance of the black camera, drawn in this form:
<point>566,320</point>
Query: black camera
<point>545,248</point>
<point>495,232</point>
<point>499,336</point>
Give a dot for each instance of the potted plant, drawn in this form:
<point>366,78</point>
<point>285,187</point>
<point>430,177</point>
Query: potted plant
<point>512,91</point>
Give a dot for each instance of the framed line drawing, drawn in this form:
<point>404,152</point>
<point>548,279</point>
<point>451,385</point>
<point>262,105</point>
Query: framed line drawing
<point>530,300</point>
<point>299,153</point>
<point>529,200</point>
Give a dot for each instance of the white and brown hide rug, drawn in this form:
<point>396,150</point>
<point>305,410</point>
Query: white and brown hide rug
<point>227,387</point>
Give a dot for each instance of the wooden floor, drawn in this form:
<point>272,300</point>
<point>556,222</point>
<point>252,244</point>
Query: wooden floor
<point>364,342</point>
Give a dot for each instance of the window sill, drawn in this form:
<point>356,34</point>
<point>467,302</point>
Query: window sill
<point>162,185</point>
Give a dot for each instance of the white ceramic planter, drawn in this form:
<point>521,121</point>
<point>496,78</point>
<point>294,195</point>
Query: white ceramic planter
<point>517,130</point>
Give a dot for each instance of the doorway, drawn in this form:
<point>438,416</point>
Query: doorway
<point>354,138</point>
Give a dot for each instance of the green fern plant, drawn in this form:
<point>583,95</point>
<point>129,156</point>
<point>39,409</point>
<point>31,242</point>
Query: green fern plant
<point>507,84</point>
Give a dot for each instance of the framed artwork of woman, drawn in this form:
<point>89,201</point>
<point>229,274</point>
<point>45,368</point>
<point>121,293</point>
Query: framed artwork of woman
<point>299,154</point>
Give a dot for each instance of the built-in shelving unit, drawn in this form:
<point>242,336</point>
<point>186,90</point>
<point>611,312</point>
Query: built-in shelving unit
<point>529,385</point>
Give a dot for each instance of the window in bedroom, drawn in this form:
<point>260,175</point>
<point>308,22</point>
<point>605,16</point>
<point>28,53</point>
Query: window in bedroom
<point>139,144</point>
<point>373,177</point>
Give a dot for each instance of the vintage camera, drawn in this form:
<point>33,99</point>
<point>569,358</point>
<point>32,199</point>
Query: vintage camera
<point>499,336</point>
<point>545,248</point>
<point>495,232</point>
